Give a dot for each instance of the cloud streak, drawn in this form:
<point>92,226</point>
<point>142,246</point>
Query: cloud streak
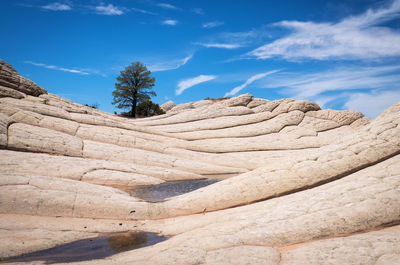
<point>213,24</point>
<point>108,10</point>
<point>167,6</point>
<point>101,9</point>
<point>170,22</point>
<point>249,81</point>
<point>198,11</point>
<point>358,37</point>
<point>308,86</point>
<point>220,45</point>
<point>143,11</point>
<point>239,39</point>
<point>73,71</point>
<point>187,83</point>
<point>170,65</point>
<point>57,7</point>
<point>351,87</point>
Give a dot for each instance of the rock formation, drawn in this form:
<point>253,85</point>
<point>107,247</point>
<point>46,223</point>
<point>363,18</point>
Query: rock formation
<point>167,106</point>
<point>298,184</point>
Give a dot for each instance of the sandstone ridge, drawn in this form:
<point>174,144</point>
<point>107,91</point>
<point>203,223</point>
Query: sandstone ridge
<point>298,184</point>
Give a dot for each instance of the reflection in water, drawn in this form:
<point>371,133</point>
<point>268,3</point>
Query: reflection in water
<point>127,241</point>
<point>168,189</point>
<point>95,248</point>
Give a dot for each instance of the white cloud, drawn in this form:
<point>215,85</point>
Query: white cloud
<point>167,6</point>
<point>143,11</point>
<point>308,86</point>
<point>236,90</point>
<point>109,10</point>
<point>220,45</point>
<point>169,65</point>
<point>357,37</point>
<point>213,24</point>
<point>170,22</point>
<point>185,84</point>
<point>198,11</point>
<point>374,103</point>
<point>57,7</point>
<point>74,71</point>
<point>239,39</point>
<point>323,100</point>
<point>352,87</point>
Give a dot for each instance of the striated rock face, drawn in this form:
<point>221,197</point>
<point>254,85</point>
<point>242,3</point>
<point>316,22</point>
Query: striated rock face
<point>297,184</point>
<point>11,80</point>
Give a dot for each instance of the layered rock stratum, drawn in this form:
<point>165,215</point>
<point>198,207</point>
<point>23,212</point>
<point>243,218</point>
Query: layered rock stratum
<point>299,185</point>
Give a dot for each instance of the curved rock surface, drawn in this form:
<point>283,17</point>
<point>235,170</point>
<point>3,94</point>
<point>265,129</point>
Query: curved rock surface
<point>167,106</point>
<point>298,185</point>
<point>9,78</point>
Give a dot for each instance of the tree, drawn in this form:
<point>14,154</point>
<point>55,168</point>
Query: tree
<point>134,87</point>
<point>148,108</point>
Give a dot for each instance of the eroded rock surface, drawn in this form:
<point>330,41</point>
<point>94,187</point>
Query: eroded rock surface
<point>299,185</point>
<point>167,106</point>
<point>9,78</point>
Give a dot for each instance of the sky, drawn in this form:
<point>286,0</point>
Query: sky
<point>340,54</point>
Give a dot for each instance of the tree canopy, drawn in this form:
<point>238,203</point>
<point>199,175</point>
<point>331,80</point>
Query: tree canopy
<point>134,86</point>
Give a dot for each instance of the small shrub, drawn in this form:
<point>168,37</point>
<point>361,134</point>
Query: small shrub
<point>94,106</point>
<point>216,99</point>
<point>144,109</point>
<point>147,109</point>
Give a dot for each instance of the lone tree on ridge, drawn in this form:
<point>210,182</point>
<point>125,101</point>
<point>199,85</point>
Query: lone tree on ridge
<point>134,87</point>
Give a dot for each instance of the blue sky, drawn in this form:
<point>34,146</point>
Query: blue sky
<point>340,54</point>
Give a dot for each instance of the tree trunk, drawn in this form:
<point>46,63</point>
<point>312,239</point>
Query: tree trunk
<point>134,102</point>
<point>133,110</point>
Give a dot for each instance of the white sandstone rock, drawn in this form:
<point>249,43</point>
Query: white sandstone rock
<point>36,139</point>
<point>167,106</point>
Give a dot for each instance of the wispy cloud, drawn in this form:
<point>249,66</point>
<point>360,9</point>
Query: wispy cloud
<point>56,6</point>
<point>198,11</point>
<point>109,10</point>
<point>187,83</point>
<point>143,11</point>
<point>25,5</point>
<point>220,45</point>
<point>170,22</point>
<point>322,101</point>
<point>239,39</point>
<point>167,6</point>
<point>374,103</point>
<point>249,81</point>
<point>169,65</point>
<point>101,9</point>
<point>357,37</point>
<point>352,87</point>
<point>307,86</point>
<point>213,24</point>
<point>74,71</point>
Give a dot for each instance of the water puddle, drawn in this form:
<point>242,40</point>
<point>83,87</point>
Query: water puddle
<point>95,248</point>
<point>168,189</point>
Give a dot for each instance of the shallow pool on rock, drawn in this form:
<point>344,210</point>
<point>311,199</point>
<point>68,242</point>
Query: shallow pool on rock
<point>94,248</point>
<point>168,189</point>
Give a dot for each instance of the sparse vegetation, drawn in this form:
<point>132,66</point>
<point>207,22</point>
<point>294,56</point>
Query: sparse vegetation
<point>216,99</point>
<point>94,106</point>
